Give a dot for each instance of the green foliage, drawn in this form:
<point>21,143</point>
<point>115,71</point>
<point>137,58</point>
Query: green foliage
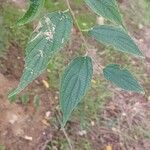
<point>2,147</point>
<point>32,12</point>
<point>50,35</point>
<point>52,5</point>
<point>2,35</point>
<point>94,101</point>
<point>74,83</point>
<point>116,37</point>
<point>122,78</point>
<point>9,32</point>
<point>139,12</point>
<point>86,20</point>
<point>25,98</point>
<point>12,98</point>
<point>53,32</point>
<point>106,8</point>
<point>37,101</point>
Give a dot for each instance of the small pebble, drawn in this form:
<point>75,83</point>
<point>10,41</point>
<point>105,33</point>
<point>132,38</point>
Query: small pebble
<point>29,138</point>
<point>92,123</point>
<point>140,26</point>
<point>13,119</point>
<point>82,132</point>
<point>48,114</point>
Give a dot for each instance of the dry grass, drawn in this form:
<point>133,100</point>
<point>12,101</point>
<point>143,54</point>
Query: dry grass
<point>125,124</point>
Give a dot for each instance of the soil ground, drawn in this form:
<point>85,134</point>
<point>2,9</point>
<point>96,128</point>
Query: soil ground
<point>17,122</point>
<point>25,127</point>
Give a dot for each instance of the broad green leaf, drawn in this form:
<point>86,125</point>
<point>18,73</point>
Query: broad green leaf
<point>74,83</point>
<point>116,37</point>
<point>33,11</point>
<point>50,35</point>
<point>106,8</point>
<point>122,78</point>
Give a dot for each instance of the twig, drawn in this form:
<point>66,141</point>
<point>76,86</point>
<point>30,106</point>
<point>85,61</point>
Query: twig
<point>81,34</point>
<point>65,133</point>
<point>67,138</point>
<point>76,22</point>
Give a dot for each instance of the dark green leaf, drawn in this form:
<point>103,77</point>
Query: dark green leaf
<point>116,37</point>
<point>106,8</point>
<point>32,12</point>
<point>51,34</point>
<point>122,78</point>
<point>74,83</point>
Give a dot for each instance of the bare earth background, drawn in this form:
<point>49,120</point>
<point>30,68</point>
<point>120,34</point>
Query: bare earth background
<point>111,120</point>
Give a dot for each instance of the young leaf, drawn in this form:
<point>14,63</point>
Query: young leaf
<point>106,8</point>
<point>116,37</point>
<point>25,99</point>
<point>34,9</point>
<point>74,83</point>
<point>51,34</point>
<point>122,78</point>
<point>36,101</point>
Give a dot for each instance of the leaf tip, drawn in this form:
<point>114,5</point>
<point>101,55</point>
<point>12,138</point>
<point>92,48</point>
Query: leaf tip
<point>14,93</point>
<point>66,11</point>
<point>141,55</point>
<point>141,90</point>
<point>10,95</point>
<point>19,23</point>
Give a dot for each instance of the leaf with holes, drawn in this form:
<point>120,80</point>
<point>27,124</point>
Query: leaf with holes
<point>116,37</point>
<point>33,11</point>
<point>50,35</point>
<point>122,78</point>
<point>75,81</point>
<point>107,8</point>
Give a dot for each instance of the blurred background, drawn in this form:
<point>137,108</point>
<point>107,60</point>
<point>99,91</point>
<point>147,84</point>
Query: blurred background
<point>107,119</point>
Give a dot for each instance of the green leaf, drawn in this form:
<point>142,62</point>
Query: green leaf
<point>25,99</point>
<point>36,101</point>
<point>116,37</point>
<point>75,81</point>
<point>32,12</point>
<point>122,78</point>
<point>50,35</point>
<point>106,8</point>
